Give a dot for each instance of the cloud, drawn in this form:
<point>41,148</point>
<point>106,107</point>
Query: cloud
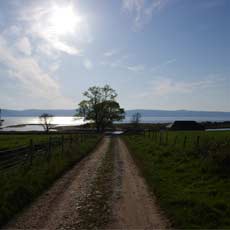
<point>135,68</point>
<point>87,64</point>
<point>121,62</point>
<point>142,10</point>
<point>41,20</point>
<point>24,46</point>
<point>110,53</point>
<point>167,86</point>
<point>40,37</point>
<point>35,82</point>
<point>54,67</point>
<point>157,67</point>
<point>114,62</point>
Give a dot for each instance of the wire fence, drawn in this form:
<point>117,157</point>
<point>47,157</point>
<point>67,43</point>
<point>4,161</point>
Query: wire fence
<point>25,155</point>
<point>185,139</point>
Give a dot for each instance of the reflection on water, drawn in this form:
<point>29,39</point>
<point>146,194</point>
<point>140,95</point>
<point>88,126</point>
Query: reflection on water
<point>25,128</point>
<point>33,123</point>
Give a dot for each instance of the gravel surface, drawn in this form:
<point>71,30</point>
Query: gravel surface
<point>58,206</point>
<point>95,211</point>
<point>134,206</point>
<point>103,191</point>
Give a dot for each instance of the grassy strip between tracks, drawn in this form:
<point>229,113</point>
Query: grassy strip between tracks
<point>95,210</point>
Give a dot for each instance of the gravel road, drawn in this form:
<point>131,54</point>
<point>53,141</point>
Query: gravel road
<point>103,191</point>
<point>58,206</point>
<point>134,206</point>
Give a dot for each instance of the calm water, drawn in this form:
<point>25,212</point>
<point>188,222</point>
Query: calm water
<point>33,123</point>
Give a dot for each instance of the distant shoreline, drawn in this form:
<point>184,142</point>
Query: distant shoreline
<point>128,112</point>
<point>209,126</point>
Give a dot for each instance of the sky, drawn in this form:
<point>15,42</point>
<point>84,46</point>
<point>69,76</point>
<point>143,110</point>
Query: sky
<point>157,54</point>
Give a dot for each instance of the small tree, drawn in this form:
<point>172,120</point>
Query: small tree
<point>136,118</point>
<point>45,120</point>
<point>101,107</point>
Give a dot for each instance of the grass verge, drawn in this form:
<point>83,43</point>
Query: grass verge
<point>20,186</point>
<point>193,188</point>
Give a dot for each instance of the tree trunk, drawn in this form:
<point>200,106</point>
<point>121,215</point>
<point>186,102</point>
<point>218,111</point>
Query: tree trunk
<point>98,127</point>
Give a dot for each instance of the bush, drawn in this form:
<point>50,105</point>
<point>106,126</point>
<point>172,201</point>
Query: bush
<point>217,153</point>
<point>221,157</point>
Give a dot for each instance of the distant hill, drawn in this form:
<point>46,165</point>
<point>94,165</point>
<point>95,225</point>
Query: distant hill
<point>177,113</point>
<point>37,112</point>
<point>143,112</point>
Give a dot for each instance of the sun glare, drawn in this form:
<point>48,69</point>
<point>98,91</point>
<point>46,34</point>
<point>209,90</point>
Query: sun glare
<point>63,20</point>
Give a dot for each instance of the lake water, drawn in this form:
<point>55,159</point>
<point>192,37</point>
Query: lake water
<point>33,123</point>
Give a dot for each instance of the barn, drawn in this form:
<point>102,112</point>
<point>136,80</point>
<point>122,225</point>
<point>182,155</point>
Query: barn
<point>186,125</point>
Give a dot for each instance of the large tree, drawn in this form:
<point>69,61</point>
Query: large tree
<point>100,106</point>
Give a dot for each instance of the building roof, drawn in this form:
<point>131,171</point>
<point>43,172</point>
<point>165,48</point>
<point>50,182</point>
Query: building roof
<point>186,125</point>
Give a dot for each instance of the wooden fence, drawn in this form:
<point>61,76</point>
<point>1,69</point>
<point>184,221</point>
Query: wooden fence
<point>26,154</point>
<point>162,138</point>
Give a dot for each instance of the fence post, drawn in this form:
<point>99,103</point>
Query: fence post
<point>160,138</point>
<point>31,151</point>
<point>62,143</point>
<point>49,148</point>
<point>228,141</point>
<point>77,139</point>
<point>198,141</point>
<point>185,140</point>
<point>71,140</point>
<point>166,139</point>
<point>175,140</point>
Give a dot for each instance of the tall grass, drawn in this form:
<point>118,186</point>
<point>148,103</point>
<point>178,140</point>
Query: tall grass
<point>191,181</point>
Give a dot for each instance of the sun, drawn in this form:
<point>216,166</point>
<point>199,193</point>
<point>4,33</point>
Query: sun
<point>63,20</point>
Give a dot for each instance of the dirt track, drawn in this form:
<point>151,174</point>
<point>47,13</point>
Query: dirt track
<point>135,207</point>
<point>99,192</point>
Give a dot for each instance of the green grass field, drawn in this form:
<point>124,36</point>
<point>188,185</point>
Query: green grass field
<point>191,180</point>
<point>21,185</point>
<point>17,140</point>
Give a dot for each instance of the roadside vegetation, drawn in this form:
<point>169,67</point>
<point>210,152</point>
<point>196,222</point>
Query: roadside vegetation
<point>22,184</point>
<point>189,172</point>
<point>9,141</point>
